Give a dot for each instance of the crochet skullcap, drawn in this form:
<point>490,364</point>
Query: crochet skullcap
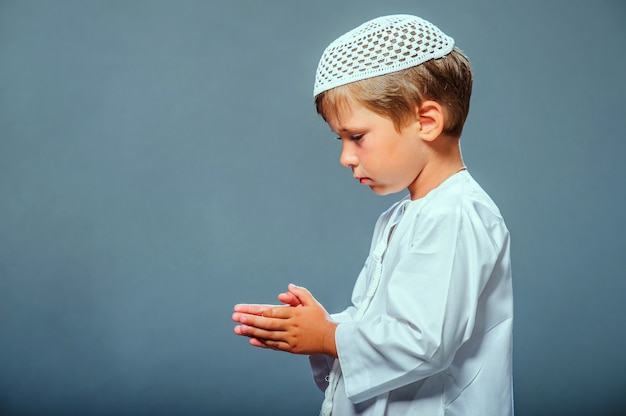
<point>380,46</point>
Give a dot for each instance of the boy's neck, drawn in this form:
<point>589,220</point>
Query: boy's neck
<point>444,162</point>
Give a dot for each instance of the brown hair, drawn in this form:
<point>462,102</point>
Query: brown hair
<point>447,80</point>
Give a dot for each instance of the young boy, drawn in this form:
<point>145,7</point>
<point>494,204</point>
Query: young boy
<point>429,331</point>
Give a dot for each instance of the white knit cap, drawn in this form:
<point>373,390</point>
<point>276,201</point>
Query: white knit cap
<point>381,46</point>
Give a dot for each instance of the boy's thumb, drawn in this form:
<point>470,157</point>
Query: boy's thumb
<point>303,295</point>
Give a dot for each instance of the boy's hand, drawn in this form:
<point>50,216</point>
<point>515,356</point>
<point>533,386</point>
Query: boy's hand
<point>257,309</point>
<point>304,329</point>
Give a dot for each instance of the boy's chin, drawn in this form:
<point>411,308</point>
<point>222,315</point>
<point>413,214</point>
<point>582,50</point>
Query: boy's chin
<point>385,190</point>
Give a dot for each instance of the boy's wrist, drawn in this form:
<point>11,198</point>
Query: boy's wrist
<point>330,346</point>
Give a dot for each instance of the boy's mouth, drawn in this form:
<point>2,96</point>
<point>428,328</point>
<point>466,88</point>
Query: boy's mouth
<point>364,181</point>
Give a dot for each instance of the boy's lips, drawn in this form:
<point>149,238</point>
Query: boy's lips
<point>363,180</point>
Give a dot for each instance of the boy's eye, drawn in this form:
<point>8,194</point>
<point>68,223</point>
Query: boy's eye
<point>354,137</point>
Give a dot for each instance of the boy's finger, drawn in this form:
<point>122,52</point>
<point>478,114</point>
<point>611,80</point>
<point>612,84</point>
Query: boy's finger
<point>302,294</point>
<point>257,343</point>
<point>255,309</point>
<point>261,334</point>
<point>289,299</point>
<point>275,345</point>
<point>237,316</point>
<point>285,312</point>
<point>270,323</point>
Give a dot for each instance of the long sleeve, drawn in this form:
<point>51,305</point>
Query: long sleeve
<point>322,364</point>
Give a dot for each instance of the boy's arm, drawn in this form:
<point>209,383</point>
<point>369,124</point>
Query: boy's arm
<point>304,329</point>
<point>430,306</point>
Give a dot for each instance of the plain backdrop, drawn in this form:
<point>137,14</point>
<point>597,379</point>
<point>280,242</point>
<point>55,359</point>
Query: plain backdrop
<point>161,161</point>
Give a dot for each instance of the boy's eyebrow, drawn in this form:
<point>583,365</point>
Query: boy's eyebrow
<point>345,129</point>
<point>341,131</point>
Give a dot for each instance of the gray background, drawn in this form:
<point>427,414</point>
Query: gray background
<point>161,161</point>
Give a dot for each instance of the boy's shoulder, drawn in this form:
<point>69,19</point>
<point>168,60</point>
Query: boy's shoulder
<point>458,195</point>
<point>458,210</point>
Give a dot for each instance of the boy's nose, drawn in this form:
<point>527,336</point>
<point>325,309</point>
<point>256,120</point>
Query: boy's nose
<point>347,159</point>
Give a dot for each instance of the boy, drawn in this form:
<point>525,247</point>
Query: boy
<point>430,328</point>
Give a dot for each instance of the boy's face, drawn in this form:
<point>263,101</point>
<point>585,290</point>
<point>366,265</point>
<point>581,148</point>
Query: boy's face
<point>386,160</point>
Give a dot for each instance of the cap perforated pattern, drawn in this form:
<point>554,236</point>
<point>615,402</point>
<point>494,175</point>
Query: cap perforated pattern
<point>381,46</point>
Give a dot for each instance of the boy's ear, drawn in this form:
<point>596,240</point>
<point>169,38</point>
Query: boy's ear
<point>431,117</point>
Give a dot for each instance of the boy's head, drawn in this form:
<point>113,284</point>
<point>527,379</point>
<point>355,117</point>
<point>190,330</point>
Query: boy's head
<point>392,64</point>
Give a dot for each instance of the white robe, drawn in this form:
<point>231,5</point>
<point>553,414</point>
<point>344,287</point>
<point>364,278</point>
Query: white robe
<point>434,336</point>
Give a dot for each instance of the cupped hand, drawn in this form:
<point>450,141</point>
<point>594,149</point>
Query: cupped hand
<point>305,329</point>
